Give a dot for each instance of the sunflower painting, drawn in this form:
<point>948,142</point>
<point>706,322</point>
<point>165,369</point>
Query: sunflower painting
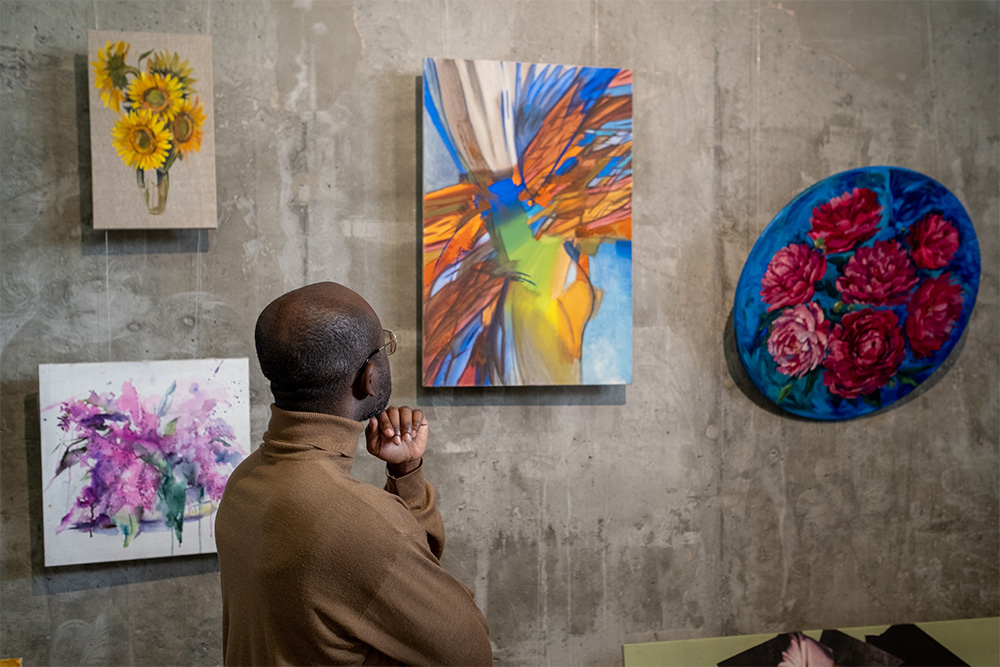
<point>151,130</point>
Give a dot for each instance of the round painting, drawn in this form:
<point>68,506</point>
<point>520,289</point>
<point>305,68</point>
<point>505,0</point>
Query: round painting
<point>856,292</point>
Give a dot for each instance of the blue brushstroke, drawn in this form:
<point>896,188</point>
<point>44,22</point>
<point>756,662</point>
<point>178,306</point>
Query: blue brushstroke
<point>545,85</point>
<point>607,340</point>
<point>566,166</point>
<point>432,100</point>
<point>625,125</point>
<point>463,345</point>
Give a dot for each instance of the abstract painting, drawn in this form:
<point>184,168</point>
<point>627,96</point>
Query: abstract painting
<point>856,292</point>
<point>152,138</point>
<point>527,224</point>
<point>136,455</point>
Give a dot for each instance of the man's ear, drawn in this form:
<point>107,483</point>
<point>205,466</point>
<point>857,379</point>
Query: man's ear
<point>364,386</point>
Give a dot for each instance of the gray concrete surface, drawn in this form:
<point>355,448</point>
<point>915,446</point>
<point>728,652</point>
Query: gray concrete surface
<point>585,518</point>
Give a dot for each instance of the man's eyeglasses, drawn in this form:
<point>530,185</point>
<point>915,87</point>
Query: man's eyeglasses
<point>389,346</point>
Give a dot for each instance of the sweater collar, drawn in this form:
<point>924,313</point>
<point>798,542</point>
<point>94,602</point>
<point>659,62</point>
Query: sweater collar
<point>336,435</point>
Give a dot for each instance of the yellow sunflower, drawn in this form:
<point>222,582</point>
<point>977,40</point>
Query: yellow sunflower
<point>110,73</point>
<point>159,94</point>
<point>186,127</point>
<point>166,62</point>
<point>141,139</point>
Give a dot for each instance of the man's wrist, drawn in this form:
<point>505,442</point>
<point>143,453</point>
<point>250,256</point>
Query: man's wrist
<point>403,469</point>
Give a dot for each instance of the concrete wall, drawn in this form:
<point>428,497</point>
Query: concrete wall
<point>674,508</point>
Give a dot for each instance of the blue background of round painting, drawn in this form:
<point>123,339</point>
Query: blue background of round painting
<point>906,196</point>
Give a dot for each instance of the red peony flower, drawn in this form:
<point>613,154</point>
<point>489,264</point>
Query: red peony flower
<point>799,338</point>
<point>931,313</point>
<point>864,353</point>
<point>845,221</point>
<point>933,241</point>
<point>790,276</point>
<point>881,275</point>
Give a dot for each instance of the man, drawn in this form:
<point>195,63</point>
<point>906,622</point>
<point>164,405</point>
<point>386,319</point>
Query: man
<point>316,567</point>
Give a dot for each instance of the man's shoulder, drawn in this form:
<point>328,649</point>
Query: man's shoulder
<point>321,495</point>
<point>391,509</point>
<point>316,514</point>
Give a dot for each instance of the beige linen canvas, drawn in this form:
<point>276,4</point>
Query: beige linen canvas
<point>152,136</point>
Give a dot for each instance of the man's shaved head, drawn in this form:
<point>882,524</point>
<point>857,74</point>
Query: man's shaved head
<point>311,343</point>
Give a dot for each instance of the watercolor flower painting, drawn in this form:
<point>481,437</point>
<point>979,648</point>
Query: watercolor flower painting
<point>856,292</point>
<point>157,114</point>
<point>152,144</point>
<point>527,238</point>
<point>136,464</point>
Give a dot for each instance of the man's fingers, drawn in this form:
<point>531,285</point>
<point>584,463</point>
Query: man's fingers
<point>399,424</point>
<point>398,435</point>
<point>385,424</point>
<point>372,438</point>
<point>393,413</point>
<point>419,423</point>
<point>405,423</point>
<point>419,420</point>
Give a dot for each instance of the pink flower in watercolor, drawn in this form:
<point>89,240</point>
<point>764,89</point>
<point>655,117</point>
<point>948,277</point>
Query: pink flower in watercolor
<point>144,412</point>
<point>799,337</point>
<point>933,241</point>
<point>139,450</point>
<point>81,412</point>
<point>865,353</point>
<point>805,651</point>
<point>881,275</point>
<point>846,221</point>
<point>790,275</point>
<point>931,314</point>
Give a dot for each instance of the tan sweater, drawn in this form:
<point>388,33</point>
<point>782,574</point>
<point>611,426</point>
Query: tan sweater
<point>319,569</point>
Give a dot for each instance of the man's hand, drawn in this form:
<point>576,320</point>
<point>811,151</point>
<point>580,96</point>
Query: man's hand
<point>398,436</point>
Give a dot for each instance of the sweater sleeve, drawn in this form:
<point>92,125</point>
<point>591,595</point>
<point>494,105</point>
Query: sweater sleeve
<point>421,497</point>
<point>421,615</point>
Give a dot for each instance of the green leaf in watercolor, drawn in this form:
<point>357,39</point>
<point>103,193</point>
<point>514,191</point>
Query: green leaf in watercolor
<point>785,391</point>
<point>173,495</point>
<point>128,523</point>
<point>171,427</point>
